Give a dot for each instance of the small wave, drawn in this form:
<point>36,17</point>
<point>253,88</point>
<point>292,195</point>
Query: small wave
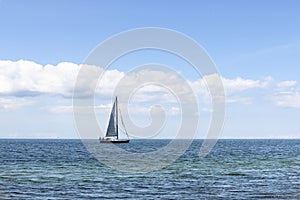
<point>236,174</point>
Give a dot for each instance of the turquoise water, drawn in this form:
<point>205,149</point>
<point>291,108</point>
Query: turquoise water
<point>235,169</point>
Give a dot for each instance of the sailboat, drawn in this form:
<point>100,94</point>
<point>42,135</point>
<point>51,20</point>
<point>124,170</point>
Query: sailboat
<point>112,132</point>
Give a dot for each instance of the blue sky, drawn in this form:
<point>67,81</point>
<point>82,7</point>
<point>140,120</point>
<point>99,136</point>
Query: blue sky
<point>253,40</point>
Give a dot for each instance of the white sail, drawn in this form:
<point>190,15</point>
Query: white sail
<point>112,129</point>
<point>112,132</point>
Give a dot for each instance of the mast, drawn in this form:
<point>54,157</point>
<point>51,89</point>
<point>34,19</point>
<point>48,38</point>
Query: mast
<point>117,118</point>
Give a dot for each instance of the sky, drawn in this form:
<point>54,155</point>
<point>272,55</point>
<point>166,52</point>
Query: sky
<point>254,44</point>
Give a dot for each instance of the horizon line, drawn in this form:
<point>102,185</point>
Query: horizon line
<point>241,138</point>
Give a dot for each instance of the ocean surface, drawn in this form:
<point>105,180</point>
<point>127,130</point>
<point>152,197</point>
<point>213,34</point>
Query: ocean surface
<point>235,169</point>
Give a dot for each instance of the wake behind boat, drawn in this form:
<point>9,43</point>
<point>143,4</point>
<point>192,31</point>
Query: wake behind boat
<point>112,132</point>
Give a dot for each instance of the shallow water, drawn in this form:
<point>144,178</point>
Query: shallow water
<point>235,169</point>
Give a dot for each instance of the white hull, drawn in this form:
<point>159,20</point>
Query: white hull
<point>109,140</point>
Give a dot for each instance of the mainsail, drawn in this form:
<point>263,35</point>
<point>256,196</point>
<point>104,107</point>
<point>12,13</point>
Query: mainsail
<point>112,129</point>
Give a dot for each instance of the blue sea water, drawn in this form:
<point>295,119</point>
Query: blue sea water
<point>235,169</point>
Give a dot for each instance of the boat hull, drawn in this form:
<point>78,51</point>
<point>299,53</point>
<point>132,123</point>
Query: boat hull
<point>115,141</point>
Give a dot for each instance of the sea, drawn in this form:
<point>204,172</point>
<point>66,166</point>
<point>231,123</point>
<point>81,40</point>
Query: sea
<point>234,169</point>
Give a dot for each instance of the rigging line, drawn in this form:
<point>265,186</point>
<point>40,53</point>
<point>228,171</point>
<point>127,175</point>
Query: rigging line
<point>122,130</point>
<point>123,123</point>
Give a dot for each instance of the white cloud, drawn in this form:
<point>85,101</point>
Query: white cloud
<point>288,100</point>
<point>15,103</point>
<point>233,88</point>
<point>231,85</point>
<point>244,100</point>
<point>69,108</point>
<point>239,84</point>
<point>108,82</point>
<point>287,94</point>
<point>286,84</point>
<point>25,78</point>
<point>58,109</point>
<point>175,110</point>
